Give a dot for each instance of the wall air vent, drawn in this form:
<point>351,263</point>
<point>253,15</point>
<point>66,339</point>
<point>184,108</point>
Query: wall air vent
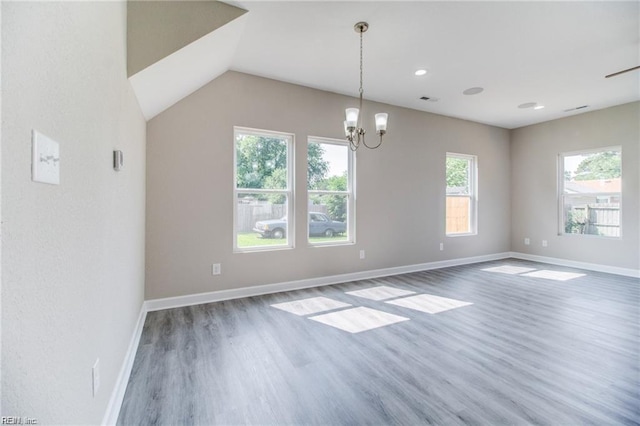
<point>576,108</point>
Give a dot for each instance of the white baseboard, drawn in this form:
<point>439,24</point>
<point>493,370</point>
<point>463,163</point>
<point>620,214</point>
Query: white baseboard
<point>117,395</point>
<point>627,272</point>
<point>217,296</point>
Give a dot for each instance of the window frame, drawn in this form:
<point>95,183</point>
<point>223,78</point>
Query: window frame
<point>288,192</point>
<point>561,196</point>
<point>350,193</point>
<point>473,194</point>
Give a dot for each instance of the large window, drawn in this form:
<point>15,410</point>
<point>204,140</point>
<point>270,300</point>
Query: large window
<point>330,166</point>
<point>461,194</point>
<point>590,192</point>
<point>263,206</point>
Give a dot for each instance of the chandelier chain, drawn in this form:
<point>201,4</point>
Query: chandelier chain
<point>361,63</point>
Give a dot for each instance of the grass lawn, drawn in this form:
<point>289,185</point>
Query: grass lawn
<point>252,239</point>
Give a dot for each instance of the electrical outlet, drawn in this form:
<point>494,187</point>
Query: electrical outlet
<point>544,243</point>
<point>216,269</point>
<point>441,246</point>
<point>361,254</point>
<point>95,377</point>
<point>527,241</point>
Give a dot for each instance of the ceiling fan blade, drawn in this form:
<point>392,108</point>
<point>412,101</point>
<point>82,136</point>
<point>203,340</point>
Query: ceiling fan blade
<point>622,72</point>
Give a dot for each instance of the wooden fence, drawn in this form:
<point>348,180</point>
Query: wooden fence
<point>249,214</point>
<point>458,215</point>
<point>601,219</point>
<point>596,219</point>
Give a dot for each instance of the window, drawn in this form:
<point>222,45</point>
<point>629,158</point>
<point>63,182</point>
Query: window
<point>330,167</point>
<point>461,194</point>
<point>262,190</point>
<point>590,192</point>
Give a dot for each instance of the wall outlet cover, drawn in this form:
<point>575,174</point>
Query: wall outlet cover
<point>216,269</point>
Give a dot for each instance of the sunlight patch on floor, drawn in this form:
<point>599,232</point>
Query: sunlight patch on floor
<point>310,306</point>
<point>429,303</point>
<point>359,319</point>
<point>532,272</point>
<point>382,292</point>
<point>508,269</point>
<point>554,275</point>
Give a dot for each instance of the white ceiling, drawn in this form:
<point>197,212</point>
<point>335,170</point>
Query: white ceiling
<point>552,53</point>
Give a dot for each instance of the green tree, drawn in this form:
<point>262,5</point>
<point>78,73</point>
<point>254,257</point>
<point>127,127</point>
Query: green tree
<point>261,163</point>
<point>277,179</point>
<point>258,158</point>
<point>336,204</point>
<point>457,172</point>
<point>333,183</point>
<point>603,165</point>
<point>317,167</point>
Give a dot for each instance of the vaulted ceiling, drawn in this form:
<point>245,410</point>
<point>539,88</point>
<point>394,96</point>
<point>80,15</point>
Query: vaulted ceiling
<point>552,54</point>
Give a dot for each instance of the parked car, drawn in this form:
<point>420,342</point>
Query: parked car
<point>319,224</point>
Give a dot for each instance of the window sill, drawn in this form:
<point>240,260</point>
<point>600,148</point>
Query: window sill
<point>466,234</point>
<point>601,237</point>
<point>333,244</point>
<point>261,249</point>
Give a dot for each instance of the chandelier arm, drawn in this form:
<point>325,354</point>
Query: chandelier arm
<point>373,147</point>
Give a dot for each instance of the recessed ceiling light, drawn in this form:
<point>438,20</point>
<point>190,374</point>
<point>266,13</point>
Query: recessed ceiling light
<point>473,91</point>
<point>527,105</point>
<point>538,107</point>
<point>420,72</point>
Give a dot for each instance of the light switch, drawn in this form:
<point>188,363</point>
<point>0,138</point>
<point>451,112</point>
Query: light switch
<point>45,163</point>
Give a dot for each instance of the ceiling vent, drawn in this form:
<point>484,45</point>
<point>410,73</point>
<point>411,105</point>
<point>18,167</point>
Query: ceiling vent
<point>576,108</point>
<point>427,98</point>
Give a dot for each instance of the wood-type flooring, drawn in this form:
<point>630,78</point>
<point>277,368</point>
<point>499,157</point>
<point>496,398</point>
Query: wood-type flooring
<point>521,343</point>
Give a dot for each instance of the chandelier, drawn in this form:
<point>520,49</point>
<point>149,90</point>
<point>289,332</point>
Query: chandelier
<point>353,131</point>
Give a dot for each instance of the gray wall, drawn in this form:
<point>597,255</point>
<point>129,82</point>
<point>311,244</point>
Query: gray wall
<point>73,254</point>
<point>400,187</point>
<point>534,156</point>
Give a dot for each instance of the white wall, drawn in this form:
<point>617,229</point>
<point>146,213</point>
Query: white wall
<point>73,254</point>
<point>0,215</point>
<point>400,190</point>
<point>534,202</point>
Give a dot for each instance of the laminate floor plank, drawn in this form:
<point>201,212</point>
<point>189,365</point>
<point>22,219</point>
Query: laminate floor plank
<point>538,344</point>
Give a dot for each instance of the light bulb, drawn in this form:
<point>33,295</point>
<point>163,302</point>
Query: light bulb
<point>381,121</point>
